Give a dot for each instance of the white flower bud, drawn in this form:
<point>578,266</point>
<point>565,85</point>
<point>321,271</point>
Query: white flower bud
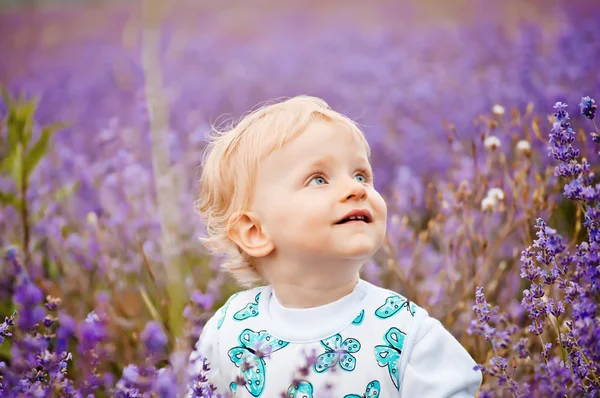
<point>488,204</point>
<point>524,147</point>
<point>492,143</point>
<point>496,193</point>
<point>92,218</point>
<point>498,110</point>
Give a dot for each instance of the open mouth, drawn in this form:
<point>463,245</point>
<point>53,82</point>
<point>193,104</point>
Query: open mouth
<point>356,216</point>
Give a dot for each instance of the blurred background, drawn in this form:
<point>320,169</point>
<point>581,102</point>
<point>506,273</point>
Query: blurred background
<point>139,84</point>
<point>401,60</point>
<point>397,67</point>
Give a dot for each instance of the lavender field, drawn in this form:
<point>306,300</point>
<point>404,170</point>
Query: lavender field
<point>494,208</point>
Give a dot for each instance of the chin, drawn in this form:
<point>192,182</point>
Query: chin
<point>360,251</point>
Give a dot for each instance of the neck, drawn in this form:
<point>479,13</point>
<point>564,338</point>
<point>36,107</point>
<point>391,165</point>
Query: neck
<point>306,292</point>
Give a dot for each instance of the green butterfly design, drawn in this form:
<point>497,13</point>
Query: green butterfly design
<point>252,364</point>
<point>302,389</point>
<point>336,352</point>
<point>359,318</point>
<point>250,310</point>
<point>393,305</point>
<point>389,355</point>
<point>372,391</point>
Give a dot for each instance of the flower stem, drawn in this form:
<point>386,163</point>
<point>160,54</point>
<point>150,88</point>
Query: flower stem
<point>543,345</point>
<point>24,212</point>
<point>587,362</point>
<point>562,348</point>
<point>596,127</point>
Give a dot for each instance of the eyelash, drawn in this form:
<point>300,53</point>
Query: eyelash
<point>366,173</point>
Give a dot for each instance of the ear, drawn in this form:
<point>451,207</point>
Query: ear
<point>245,229</point>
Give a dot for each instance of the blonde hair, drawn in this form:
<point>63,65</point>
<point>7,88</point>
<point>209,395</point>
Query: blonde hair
<point>229,167</point>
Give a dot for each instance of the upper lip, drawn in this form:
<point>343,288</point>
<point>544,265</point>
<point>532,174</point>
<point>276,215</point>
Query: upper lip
<point>358,212</point>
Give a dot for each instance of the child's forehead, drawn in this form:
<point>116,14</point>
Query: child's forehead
<point>317,145</point>
<point>320,137</point>
<point>321,152</point>
<point>323,134</point>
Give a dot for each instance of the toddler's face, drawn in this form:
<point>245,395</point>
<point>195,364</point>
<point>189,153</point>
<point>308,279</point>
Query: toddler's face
<point>306,190</point>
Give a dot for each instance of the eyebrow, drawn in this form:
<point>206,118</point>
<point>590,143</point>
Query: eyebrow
<point>319,162</point>
<point>322,162</point>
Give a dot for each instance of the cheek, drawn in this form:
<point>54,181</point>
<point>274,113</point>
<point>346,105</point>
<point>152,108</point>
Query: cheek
<point>380,205</point>
<point>303,214</point>
<point>283,213</point>
<point>382,214</point>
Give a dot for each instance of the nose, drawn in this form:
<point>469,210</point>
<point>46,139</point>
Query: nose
<point>354,190</point>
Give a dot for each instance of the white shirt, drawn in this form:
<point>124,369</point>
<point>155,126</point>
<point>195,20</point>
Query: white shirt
<point>372,341</point>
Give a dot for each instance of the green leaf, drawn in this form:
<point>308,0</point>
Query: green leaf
<point>27,123</point>
<point>10,104</point>
<point>58,196</point>
<point>149,305</point>
<point>6,97</point>
<point>20,118</point>
<point>11,165</point>
<point>9,199</point>
<point>66,191</point>
<point>51,268</point>
<point>39,214</point>
<point>7,161</point>
<point>11,127</point>
<point>17,121</point>
<point>40,148</point>
<point>24,122</point>
<point>177,301</point>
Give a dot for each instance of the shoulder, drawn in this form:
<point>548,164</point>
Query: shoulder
<point>388,304</point>
<point>239,306</point>
<point>395,318</point>
<point>432,353</point>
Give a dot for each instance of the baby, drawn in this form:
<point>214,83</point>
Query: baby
<point>288,200</point>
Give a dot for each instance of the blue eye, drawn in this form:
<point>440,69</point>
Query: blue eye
<point>364,179</point>
<point>318,179</point>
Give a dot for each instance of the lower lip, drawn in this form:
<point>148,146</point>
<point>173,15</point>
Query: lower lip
<point>354,222</point>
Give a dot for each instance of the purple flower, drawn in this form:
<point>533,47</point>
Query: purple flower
<point>165,385</point>
<point>154,337</point>
<point>588,107</point>
<point>131,374</point>
<point>528,268</point>
<point>52,303</point>
<point>135,381</point>
<point>204,300</point>
<point>66,330</point>
<point>568,169</point>
<point>92,329</point>
<point>200,384</point>
<point>562,135</point>
<point>48,321</point>
<point>28,296</point>
<point>482,307</point>
<point>521,348</point>
<point>8,322</point>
